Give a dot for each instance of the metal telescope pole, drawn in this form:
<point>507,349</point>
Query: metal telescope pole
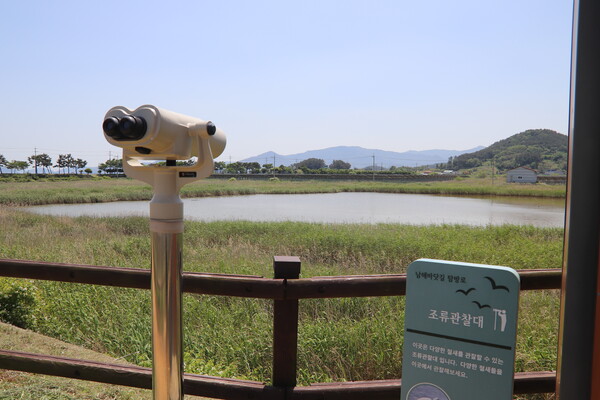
<point>166,227</point>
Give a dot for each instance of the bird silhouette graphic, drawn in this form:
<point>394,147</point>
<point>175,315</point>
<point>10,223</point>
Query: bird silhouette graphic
<point>494,286</point>
<point>465,292</point>
<point>480,305</point>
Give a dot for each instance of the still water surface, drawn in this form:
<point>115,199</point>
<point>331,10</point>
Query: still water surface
<point>361,208</point>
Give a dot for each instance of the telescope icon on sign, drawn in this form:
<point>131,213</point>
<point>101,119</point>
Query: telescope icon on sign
<point>499,314</point>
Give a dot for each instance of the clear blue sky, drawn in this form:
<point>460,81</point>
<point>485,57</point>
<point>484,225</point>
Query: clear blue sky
<point>285,76</point>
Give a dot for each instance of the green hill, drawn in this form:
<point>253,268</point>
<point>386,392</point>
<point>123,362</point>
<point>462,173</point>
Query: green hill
<point>540,149</point>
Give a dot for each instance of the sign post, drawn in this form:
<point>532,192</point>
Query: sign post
<point>460,331</point>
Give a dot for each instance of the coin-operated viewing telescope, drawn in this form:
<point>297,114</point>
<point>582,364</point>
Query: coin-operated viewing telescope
<point>149,134</point>
<point>152,133</point>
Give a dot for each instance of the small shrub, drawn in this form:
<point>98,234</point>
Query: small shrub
<point>17,305</point>
<point>273,179</point>
<point>232,179</point>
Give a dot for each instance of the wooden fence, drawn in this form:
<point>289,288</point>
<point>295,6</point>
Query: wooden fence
<point>285,289</point>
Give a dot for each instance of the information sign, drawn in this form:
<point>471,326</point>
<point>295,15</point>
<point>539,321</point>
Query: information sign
<point>459,331</point>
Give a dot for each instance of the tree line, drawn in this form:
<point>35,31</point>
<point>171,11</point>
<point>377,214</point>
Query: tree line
<point>308,166</point>
<point>65,163</point>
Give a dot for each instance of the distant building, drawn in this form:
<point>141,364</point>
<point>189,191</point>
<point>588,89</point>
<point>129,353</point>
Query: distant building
<point>555,172</point>
<point>521,175</point>
<point>553,177</point>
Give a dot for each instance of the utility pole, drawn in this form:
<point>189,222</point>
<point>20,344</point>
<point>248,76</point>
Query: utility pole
<point>373,165</point>
<point>35,159</point>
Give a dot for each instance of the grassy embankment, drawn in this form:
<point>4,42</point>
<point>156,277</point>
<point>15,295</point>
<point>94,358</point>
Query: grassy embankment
<point>106,189</point>
<point>339,339</point>
<point>23,386</point>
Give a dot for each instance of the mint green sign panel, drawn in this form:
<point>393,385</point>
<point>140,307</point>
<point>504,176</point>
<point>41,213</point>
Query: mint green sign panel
<point>459,331</point>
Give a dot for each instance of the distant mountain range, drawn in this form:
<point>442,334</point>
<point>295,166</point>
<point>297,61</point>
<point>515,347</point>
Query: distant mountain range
<point>359,157</point>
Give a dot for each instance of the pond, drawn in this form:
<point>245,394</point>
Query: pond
<point>363,208</point>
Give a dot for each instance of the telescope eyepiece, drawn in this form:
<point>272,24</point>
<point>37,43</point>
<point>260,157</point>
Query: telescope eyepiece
<point>110,126</point>
<point>211,128</point>
<point>132,127</point>
<point>128,127</point>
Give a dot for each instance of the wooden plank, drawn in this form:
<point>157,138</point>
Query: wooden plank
<point>524,383</point>
<point>375,390</point>
<point>77,369</point>
<point>535,382</point>
<point>199,283</point>
<point>90,274</point>
<point>537,279</point>
<point>134,376</point>
<point>395,285</point>
<point>347,286</point>
<point>246,286</point>
<point>235,286</point>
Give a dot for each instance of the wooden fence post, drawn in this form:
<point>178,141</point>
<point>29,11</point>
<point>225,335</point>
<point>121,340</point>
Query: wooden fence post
<point>285,326</point>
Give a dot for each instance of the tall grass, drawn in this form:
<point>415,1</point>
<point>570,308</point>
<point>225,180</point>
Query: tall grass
<point>339,339</point>
<point>123,189</point>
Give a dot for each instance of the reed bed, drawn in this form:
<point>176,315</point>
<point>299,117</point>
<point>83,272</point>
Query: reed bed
<point>339,339</point>
<point>95,190</point>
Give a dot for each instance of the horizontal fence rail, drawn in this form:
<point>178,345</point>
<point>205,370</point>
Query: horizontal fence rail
<point>247,285</point>
<point>285,289</point>
<point>208,386</point>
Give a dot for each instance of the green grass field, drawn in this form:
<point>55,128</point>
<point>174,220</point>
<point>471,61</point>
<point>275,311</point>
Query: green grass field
<point>232,337</point>
<point>96,190</point>
<point>339,339</point>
